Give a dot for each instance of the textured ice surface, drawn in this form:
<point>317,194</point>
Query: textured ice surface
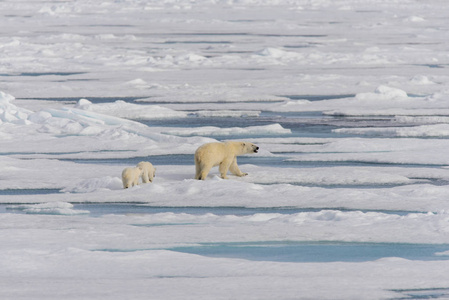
<point>347,198</point>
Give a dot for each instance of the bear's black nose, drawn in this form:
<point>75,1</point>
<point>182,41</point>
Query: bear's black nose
<point>257,148</point>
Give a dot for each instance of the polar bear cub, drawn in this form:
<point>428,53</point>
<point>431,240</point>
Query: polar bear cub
<point>149,171</point>
<point>130,176</point>
<point>222,154</point>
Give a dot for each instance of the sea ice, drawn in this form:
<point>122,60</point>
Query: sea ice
<point>346,99</point>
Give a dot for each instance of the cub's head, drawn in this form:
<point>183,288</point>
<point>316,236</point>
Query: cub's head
<point>249,147</point>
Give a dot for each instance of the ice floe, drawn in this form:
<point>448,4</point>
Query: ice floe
<point>347,101</point>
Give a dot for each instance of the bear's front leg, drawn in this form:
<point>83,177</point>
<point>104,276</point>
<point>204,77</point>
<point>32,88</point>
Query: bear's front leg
<point>223,168</point>
<point>234,168</point>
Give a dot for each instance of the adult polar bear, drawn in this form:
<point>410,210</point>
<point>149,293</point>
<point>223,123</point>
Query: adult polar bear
<point>222,154</point>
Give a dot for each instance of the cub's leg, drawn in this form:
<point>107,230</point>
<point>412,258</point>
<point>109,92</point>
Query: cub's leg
<point>151,176</point>
<point>145,178</point>
<point>126,184</point>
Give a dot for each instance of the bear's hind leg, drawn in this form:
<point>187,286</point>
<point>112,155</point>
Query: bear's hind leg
<point>204,171</point>
<point>198,170</point>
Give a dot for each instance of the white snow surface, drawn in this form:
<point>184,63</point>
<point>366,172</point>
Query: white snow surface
<point>348,101</point>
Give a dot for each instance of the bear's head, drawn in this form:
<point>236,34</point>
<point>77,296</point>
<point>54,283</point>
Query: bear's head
<point>249,147</point>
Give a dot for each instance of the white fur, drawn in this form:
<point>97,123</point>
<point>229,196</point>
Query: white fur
<point>223,155</point>
<point>130,176</point>
<point>149,171</point>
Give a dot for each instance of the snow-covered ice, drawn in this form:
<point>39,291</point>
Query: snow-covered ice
<point>346,199</point>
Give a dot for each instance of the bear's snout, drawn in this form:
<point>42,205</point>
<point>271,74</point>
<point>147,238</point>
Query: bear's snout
<point>256,149</point>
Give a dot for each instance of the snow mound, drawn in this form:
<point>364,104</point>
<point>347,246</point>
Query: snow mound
<point>273,52</point>
<point>126,110</point>
<point>95,184</point>
<point>421,80</point>
<point>415,19</point>
<point>383,93</point>
<point>9,113</point>
<point>217,131</point>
